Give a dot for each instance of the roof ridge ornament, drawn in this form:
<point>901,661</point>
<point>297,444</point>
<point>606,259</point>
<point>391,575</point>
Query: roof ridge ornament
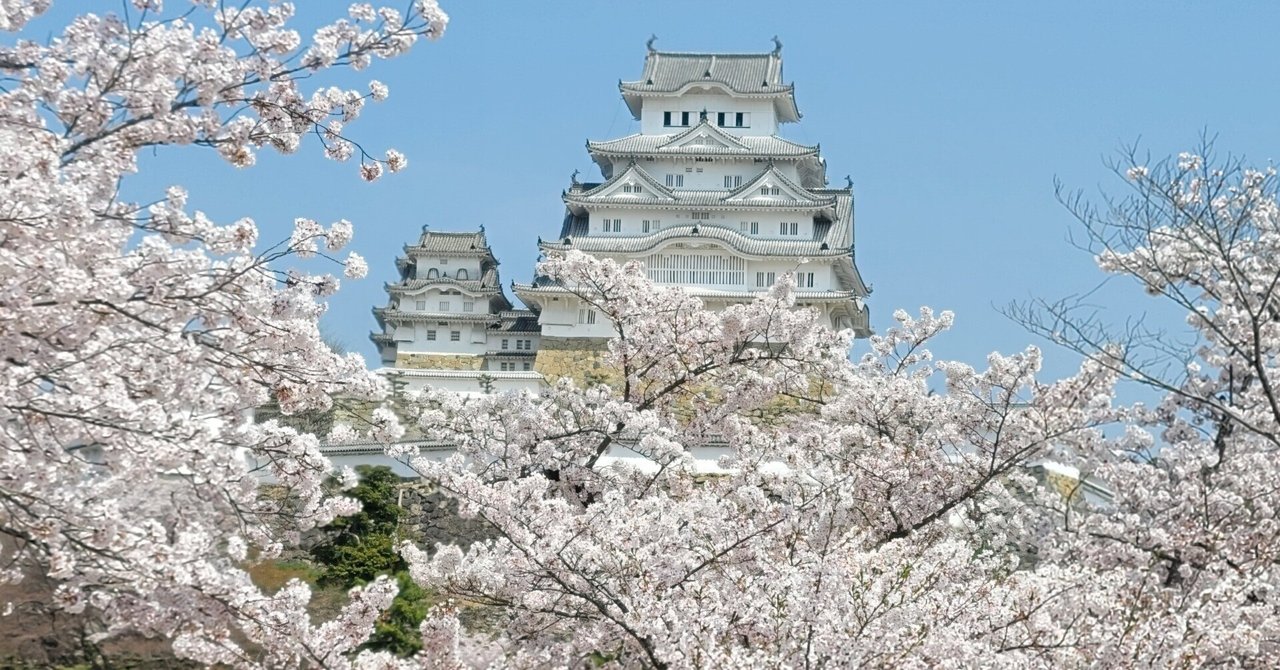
<point>848,182</point>
<point>777,46</point>
<point>649,43</point>
<point>573,178</point>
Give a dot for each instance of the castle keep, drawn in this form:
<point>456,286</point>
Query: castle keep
<point>708,195</point>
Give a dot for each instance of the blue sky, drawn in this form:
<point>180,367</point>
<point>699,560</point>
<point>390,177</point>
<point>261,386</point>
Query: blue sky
<point>953,120</point>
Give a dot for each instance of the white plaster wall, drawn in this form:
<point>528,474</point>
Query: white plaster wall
<point>709,175</point>
<point>763,119</point>
<point>466,344</point>
<point>823,278</point>
<point>432,300</point>
<point>495,364</point>
<point>496,337</point>
<point>632,222</point>
<point>560,319</point>
<point>450,267</point>
<point>471,383</point>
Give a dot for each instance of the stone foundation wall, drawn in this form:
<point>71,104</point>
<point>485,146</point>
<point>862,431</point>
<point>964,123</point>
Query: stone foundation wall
<point>579,358</point>
<point>439,361</point>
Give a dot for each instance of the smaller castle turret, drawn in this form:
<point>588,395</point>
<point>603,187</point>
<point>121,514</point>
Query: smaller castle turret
<point>447,322</point>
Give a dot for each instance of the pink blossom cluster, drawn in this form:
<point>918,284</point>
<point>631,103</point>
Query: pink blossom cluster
<point>882,512</point>
<point>138,338</point>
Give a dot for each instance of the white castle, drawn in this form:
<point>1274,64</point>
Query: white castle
<point>707,195</point>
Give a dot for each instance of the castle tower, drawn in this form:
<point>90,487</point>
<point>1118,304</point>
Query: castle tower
<point>447,323</point>
<point>708,196</point>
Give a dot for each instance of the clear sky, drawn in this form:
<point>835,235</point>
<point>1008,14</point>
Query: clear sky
<point>953,120</point>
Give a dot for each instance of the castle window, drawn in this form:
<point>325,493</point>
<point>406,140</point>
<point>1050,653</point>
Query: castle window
<point>506,367</point>
<point>468,307</point>
<point>804,279</point>
<point>770,190</point>
<point>765,279</point>
<point>455,335</point>
<point>644,226</point>
<point>444,305</point>
<point>444,261</point>
<point>612,225</point>
<point>462,274</point>
<point>527,367</point>
<point>431,335</point>
<point>433,273</point>
<point>586,316</point>
<point>675,180</point>
<point>732,119</point>
<point>693,268</point>
<point>732,180</point>
<point>505,344</point>
<point>789,228</point>
<point>700,216</point>
<point>676,119</point>
<point>751,227</point>
<point>421,305</point>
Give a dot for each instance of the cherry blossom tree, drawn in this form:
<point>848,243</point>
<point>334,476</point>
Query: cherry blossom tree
<point>881,512</point>
<point>135,336</point>
<point>883,517</point>
<point>1187,555</point>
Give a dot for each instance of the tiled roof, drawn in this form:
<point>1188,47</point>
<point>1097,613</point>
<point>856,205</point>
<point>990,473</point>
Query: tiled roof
<point>743,73</point>
<point>518,321</point>
<point>660,196</point>
<point>746,244</point>
<point>462,243</point>
<point>487,284</point>
<point>388,314</point>
<point>656,145</point>
<point>811,296</point>
<point>750,74</point>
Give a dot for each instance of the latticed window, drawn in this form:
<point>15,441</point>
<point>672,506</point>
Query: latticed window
<point>706,269</point>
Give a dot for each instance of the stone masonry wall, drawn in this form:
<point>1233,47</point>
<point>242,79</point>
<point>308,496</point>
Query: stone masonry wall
<point>579,358</point>
<point>439,361</point>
